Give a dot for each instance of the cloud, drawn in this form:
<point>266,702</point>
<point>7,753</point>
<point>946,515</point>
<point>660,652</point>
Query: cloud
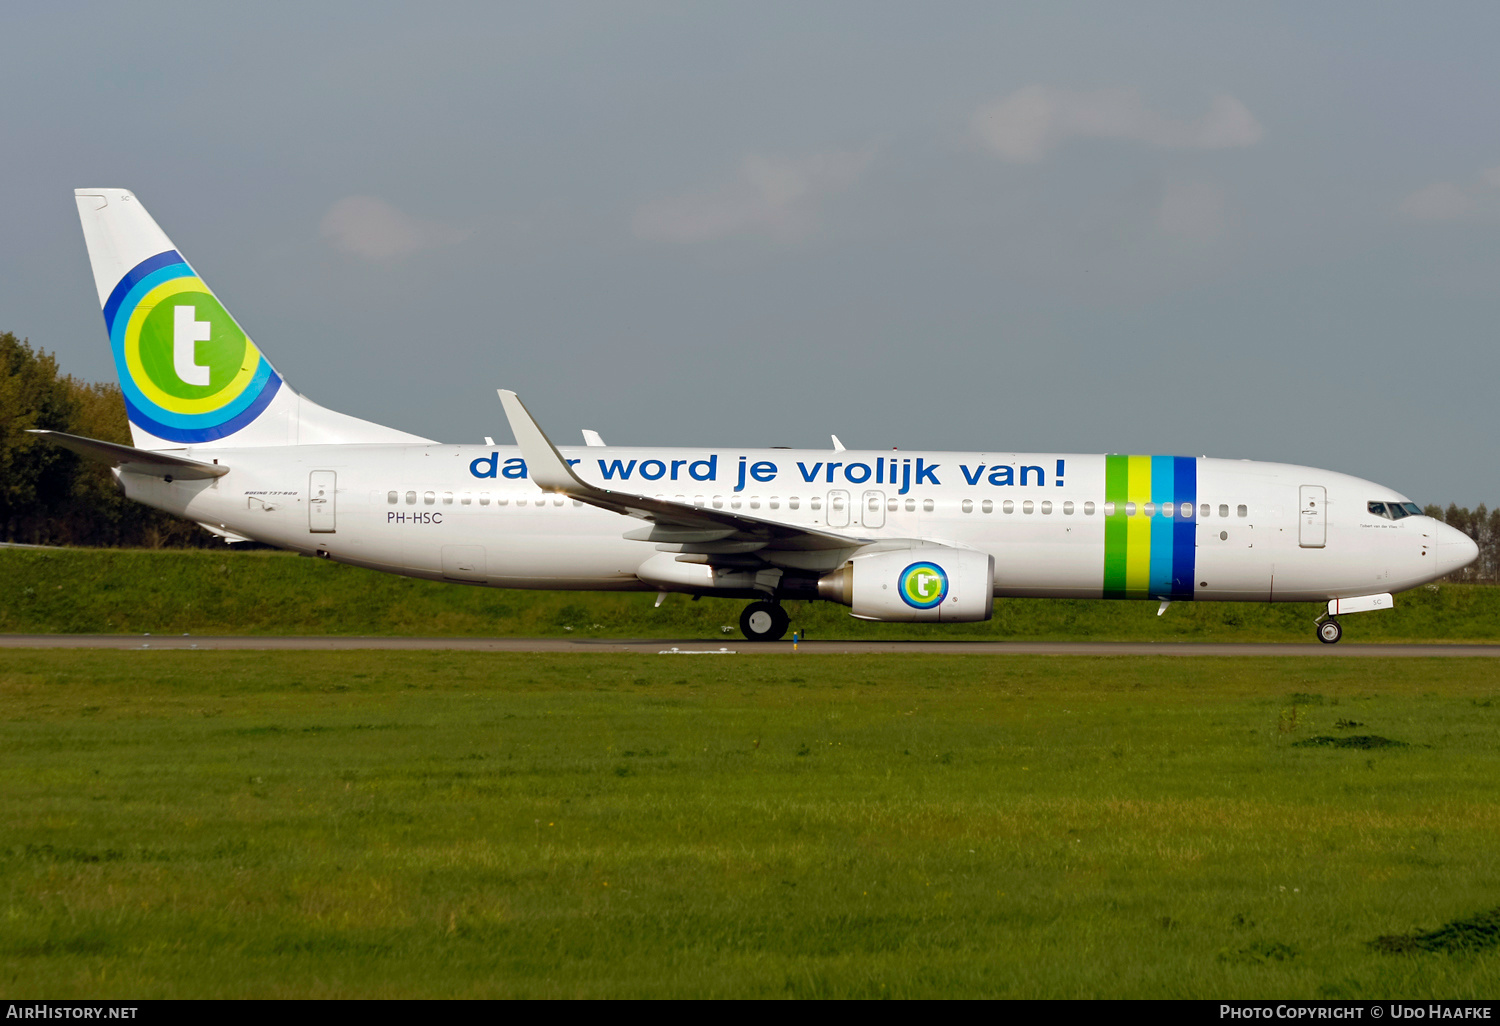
<point>370,228</point>
<point>1478,200</point>
<point>776,197</point>
<point>1191,210</point>
<point>1029,123</point>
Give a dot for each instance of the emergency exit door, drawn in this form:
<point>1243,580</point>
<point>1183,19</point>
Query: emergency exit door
<point>321,501</point>
<point>1312,532</point>
<point>838,508</point>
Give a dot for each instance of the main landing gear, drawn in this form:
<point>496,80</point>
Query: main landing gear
<point>764,621</point>
<point>1329,631</point>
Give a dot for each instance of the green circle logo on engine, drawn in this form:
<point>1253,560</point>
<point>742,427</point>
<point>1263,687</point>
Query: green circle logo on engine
<point>923,585</point>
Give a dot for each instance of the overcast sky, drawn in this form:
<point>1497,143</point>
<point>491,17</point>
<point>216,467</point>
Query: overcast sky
<point>1258,230</point>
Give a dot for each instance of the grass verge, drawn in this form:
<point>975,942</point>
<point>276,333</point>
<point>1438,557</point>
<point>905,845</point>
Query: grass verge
<point>212,824</point>
<point>113,591</point>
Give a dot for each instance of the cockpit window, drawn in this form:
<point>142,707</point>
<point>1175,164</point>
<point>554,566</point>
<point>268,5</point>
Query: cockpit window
<point>1395,510</point>
<point>1378,508</point>
<point>1412,508</point>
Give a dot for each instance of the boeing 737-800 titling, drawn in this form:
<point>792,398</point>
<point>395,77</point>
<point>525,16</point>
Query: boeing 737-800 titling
<point>221,439</point>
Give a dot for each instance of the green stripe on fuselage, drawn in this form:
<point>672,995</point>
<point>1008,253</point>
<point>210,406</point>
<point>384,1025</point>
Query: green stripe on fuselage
<point>1116,526</point>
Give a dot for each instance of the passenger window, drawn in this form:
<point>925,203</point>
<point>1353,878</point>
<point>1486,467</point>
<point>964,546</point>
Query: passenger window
<point>428,498</point>
<point>987,506</point>
<point>502,499</point>
<point>891,505</point>
<point>1167,509</point>
<point>911,505</point>
<point>558,500</point>
<point>468,499</point>
<point>1186,511</point>
<point>447,498</point>
<point>520,500</point>
<point>734,502</point>
<point>1223,510</point>
<point>926,505</point>
<point>1028,507</point>
<point>576,504</point>
<point>775,502</point>
<point>1088,509</point>
<point>411,498</point>
<point>697,500</point>
<point>816,502</point>
<point>1130,509</point>
<point>755,502</point>
<point>1046,509</point>
<point>1205,510</point>
<point>1008,506</point>
<point>793,502</point>
<point>968,505</point>
<point>391,497</point>
<point>1243,511</point>
<point>718,502</point>
<point>874,504</point>
<point>1109,509</point>
<point>836,503</point>
<point>1150,510</point>
<point>484,498</point>
<point>1067,509</point>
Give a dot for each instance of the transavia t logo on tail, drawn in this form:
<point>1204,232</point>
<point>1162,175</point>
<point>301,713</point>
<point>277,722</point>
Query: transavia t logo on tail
<point>923,585</point>
<point>191,374</point>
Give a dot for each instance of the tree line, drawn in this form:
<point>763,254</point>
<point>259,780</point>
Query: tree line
<point>50,496</point>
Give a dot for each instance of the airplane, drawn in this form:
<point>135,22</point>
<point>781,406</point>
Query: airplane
<point>222,439</point>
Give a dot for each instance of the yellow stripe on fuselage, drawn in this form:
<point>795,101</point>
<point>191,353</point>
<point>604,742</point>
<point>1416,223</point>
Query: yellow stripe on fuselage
<point>1138,529</point>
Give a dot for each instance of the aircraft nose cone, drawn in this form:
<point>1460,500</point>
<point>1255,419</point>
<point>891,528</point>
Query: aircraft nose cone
<point>1455,550</point>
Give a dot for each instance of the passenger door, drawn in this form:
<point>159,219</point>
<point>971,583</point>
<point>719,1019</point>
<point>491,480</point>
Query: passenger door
<point>322,500</point>
<point>1312,530</point>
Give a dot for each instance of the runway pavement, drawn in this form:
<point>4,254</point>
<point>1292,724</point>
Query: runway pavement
<point>732,646</point>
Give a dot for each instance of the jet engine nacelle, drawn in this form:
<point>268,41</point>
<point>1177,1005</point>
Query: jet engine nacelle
<point>928,583</point>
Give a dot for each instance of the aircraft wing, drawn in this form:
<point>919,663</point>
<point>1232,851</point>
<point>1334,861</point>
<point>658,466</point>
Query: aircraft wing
<point>697,529</point>
<point>135,461</point>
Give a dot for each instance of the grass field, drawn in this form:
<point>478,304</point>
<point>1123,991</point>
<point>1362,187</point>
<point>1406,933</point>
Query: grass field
<point>444,824</point>
<point>132,591</point>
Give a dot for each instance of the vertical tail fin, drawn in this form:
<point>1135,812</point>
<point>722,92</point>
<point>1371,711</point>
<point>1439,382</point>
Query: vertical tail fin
<point>190,374</point>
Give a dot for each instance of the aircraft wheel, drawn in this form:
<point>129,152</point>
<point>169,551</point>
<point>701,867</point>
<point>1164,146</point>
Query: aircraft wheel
<point>764,621</point>
<point>1329,632</point>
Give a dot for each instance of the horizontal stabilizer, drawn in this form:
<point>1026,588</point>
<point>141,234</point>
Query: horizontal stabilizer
<point>136,461</point>
<point>230,538</point>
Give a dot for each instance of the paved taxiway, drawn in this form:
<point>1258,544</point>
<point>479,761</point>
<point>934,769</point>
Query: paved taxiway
<point>726,646</point>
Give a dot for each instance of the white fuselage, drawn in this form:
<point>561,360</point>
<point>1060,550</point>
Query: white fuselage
<point>1243,531</point>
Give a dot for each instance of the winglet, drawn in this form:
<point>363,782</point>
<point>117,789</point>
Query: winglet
<point>838,446</point>
<point>544,463</point>
<point>592,437</point>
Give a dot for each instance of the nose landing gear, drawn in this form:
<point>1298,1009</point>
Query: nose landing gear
<point>1329,631</point>
<point>764,621</point>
